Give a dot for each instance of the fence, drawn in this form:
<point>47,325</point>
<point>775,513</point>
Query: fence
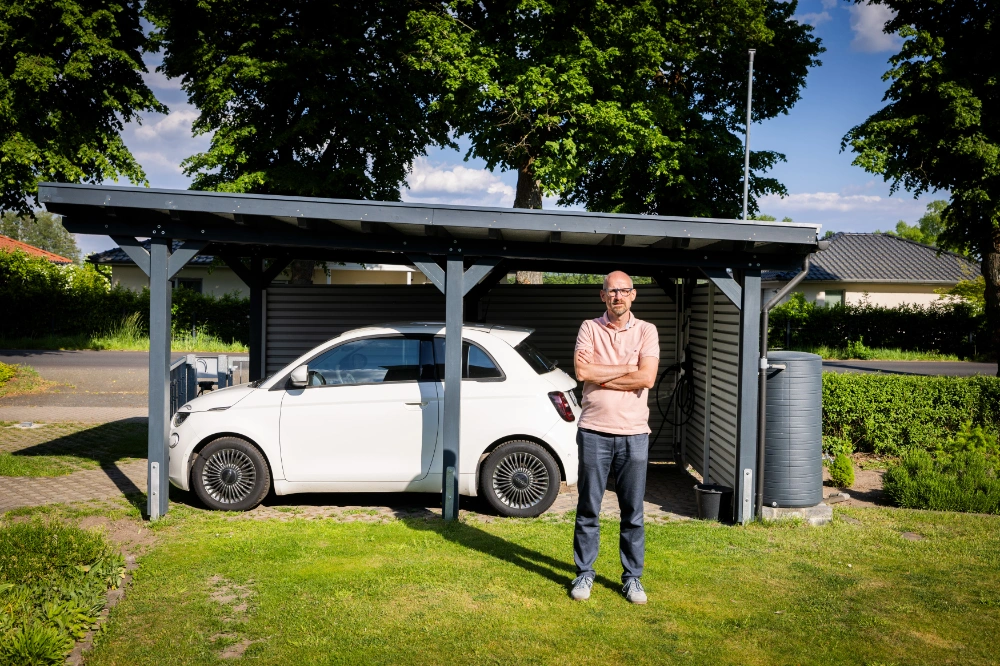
<point>195,373</point>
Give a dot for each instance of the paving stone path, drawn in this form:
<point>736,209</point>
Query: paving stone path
<point>103,483</point>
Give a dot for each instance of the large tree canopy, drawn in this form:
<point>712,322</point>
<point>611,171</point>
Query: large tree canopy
<point>43,230</point>
<point>304,97</point>
<point>940,127</point>
<point>70,77</point>
<point>623,106</point>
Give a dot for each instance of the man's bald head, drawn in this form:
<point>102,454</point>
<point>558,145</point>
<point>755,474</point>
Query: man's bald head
<point>616,277</point>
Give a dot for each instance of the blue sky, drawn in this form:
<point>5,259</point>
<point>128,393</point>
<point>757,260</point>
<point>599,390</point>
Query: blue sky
<point>823,186</point>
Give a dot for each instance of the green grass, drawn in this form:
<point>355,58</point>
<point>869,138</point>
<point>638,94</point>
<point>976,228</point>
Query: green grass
<point>179,343</point>
<point>877,354</point>
<point>57,449</point>
<point>20,380</point>
<point>419,591</point>
<point>53,579</point>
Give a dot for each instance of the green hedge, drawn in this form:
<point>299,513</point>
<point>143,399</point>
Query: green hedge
<point>892,414</point>
<point>945,327</point>
<point>39,298</point>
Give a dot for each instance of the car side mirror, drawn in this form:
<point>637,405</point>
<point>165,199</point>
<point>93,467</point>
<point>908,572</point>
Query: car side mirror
<point>299,377</point>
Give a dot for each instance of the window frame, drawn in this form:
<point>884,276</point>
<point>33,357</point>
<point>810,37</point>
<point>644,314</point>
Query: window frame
<point>501,378</point>
<point>282,385</point>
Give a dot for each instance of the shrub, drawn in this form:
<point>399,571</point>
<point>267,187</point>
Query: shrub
<point>842,471</point>
<point>833,446</point>
<point>965,481</point>
<point>949,327</point>
<point>891,414</point>
<point>7,373</point>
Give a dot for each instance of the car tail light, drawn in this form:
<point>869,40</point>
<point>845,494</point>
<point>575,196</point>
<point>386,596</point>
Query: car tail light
<point>562,406</point>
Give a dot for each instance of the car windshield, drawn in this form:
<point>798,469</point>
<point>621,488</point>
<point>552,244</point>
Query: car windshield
<point>538,361</point>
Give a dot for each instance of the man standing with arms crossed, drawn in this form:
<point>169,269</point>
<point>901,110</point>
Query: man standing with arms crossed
<point>616,358</point>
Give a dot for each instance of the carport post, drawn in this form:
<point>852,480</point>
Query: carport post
<point>454,296</point>
<point>746,416</point>
<point>159,376</point>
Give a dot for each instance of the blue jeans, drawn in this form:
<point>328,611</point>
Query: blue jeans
<point>626,456</point>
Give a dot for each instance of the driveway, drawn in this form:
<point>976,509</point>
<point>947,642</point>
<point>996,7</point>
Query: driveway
<point>947,368</point>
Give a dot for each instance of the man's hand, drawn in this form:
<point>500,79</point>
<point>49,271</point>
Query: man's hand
<point>595,373</point>
<point>643,377</point>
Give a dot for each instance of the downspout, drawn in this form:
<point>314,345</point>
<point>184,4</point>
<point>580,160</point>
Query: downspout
<point>762,376</point>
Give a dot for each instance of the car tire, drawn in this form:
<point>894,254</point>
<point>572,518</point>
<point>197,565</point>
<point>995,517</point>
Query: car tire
<point>519,479</point>
<point>230,474</point>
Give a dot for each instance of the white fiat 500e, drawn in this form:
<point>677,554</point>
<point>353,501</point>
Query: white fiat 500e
<point>364,412</point>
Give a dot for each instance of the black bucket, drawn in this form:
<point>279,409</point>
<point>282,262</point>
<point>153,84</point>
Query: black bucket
<point>714,502</point>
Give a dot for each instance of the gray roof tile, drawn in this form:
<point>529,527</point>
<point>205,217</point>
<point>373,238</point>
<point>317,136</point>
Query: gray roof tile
<point>855,257</point>
<point>117,256</point>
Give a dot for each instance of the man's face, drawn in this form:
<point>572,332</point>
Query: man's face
<point>618,293</point>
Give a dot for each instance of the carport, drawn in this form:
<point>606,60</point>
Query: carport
<point>708,270</point>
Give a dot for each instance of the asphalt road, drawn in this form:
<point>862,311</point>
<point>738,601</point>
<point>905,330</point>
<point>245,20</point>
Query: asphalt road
<point>949,368</point>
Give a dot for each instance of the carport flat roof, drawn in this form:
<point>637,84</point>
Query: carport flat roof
<point>312,224</point>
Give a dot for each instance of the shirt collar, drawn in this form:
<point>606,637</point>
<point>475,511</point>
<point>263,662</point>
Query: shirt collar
<point>606,322</point>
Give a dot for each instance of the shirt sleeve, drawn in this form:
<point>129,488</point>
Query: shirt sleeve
<point>584,339</point>
<point>649,344</point>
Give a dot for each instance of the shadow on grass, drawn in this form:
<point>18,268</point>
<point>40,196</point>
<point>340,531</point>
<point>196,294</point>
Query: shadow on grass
<point>104,444</point>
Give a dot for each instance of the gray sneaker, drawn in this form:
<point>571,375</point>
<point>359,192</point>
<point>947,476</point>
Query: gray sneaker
<point>633,591</point>
<point>580,591</point>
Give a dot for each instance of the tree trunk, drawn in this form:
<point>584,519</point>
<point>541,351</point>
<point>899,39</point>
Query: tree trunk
<point>529,195</point>
<point>302,271</point>
<point>991,273</point>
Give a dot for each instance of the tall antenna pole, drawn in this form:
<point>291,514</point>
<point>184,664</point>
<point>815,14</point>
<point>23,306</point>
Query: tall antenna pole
<point>746,150</point>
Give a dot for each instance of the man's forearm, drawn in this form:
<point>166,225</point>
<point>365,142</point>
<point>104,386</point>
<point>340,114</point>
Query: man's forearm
<point>633,381</point>
<point>601,374</point>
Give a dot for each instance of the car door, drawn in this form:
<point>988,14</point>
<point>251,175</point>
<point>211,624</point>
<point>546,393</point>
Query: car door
<point>369,413</point>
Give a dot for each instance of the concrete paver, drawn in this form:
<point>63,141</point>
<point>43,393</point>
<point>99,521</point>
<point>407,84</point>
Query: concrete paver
<point>104,483</point>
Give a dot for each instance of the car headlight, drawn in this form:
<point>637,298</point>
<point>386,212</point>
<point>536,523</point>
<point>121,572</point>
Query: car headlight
<point>180,417</point>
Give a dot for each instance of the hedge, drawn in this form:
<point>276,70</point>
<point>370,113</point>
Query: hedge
<point>39,298</point>
<point>946,327</point>
<point>892,414</point>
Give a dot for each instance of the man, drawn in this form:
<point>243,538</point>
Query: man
<point>616,358</point>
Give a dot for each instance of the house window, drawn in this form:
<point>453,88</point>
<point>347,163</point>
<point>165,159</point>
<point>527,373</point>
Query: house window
<point>834,298</point>
<point>194,284</point>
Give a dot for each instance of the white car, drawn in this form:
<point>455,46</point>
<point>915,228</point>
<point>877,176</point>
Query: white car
<point>364,412</point>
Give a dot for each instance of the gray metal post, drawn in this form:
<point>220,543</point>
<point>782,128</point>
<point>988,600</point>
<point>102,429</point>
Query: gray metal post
<point>706,473</point>
<point>746,412</point>
<point>453,294</point>
<point>159,376</point>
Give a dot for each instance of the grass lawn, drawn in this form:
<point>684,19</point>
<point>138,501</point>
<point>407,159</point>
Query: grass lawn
<point>877,354</point>
<point>493,591</point>
<point>56,449</point>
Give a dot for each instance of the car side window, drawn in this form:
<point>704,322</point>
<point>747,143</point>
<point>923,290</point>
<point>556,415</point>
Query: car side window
<point>369,361</point>
<point>476,363</point>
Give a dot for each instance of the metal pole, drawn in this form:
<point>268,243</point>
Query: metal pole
<point>748,400</point>
<point>746,148</point>
<point>256,317</point>
<point>454,296</point>
<point>159,377</point>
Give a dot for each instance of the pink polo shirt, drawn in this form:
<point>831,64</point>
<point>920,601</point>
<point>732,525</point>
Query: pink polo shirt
<point>608,410</point>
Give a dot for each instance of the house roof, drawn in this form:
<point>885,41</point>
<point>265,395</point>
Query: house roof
<point>117,256</point>
<point>8,244</point>
<point>876,257</point>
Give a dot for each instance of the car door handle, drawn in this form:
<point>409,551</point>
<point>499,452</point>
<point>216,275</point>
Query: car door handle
<point>415,405</point>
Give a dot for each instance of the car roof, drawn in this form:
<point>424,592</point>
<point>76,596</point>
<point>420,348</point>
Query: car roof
<point>512,335</point>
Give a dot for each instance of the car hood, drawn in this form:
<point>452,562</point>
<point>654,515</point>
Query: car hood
<point>219,399</point>
<point>560,380</point>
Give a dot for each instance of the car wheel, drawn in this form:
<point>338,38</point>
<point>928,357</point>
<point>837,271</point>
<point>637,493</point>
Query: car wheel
<point>519,479</point>
<point>230,474</point>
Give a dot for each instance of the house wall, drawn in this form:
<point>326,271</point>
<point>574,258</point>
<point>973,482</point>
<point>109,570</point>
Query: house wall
<point>220,280</point>
<point>882,294</point>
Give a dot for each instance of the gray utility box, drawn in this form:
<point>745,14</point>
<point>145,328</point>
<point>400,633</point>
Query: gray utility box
<point>793,463</point>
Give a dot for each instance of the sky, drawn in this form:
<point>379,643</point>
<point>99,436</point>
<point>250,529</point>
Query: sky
<point>823,187</point>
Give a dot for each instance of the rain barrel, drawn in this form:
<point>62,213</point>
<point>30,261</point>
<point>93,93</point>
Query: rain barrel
<point>793,463</point>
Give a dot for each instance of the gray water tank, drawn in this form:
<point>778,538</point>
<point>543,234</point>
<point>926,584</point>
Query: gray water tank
<point>793,463</point>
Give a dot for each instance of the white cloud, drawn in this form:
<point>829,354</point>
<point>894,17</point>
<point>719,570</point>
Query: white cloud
<point>177,123</point>
<point>829,4</point>
<point>456,184</point>
<point>813,18</point>
<point>158,81</point>
<point>821,201</point>
<point>150,159</point>
<point>867,23</point>
<point>849,210</point>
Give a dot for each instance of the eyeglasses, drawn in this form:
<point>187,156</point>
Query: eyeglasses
<point>618,293</point>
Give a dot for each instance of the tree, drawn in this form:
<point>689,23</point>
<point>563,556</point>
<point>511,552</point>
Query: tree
<point>620,106</point>
<point>928,228</point>
<point>939,129</point>
<point>43,230</point>
<point>762,217</point>
<point>303,97</point>
<point>70,78</point>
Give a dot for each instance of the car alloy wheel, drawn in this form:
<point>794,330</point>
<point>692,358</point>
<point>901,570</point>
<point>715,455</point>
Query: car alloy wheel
<point>229,476</point>
<point>520,480</point>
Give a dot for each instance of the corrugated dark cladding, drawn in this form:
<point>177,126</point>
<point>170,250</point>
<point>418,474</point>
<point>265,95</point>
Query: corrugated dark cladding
<point>299,318</point>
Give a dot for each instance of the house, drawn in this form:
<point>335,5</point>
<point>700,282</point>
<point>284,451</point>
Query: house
<point>876,268</point>
<point>207,276</point>
<point>8,244</point>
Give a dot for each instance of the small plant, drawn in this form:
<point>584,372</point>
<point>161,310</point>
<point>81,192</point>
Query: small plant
<point>858,350</point>
<point>966,481</point>
<point>842,471</point>
<point>834,446</point>
<point>7,373</point>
